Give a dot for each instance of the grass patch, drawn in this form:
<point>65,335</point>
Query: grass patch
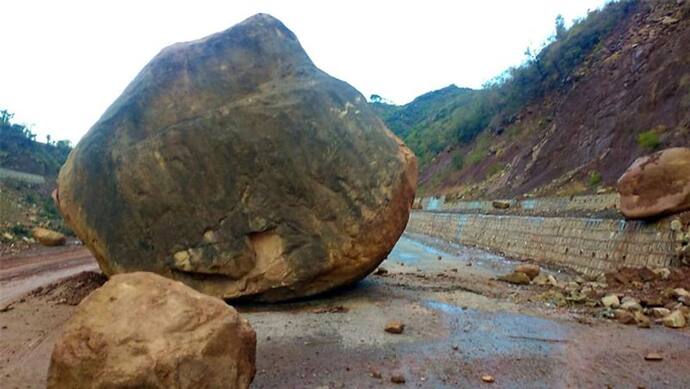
<point>648,140</point>
<point>594,178</point>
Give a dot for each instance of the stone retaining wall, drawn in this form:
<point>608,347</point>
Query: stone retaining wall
<point>546,205</point>
<point>588,245</point>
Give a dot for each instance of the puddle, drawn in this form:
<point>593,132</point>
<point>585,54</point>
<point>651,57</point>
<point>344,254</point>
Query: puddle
<point>491,334</point>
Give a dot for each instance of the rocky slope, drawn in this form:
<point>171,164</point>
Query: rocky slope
<point>629,95</point>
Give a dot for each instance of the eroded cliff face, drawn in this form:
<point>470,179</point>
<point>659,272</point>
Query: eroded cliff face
<point>235,165</point>
<point>637,81</point>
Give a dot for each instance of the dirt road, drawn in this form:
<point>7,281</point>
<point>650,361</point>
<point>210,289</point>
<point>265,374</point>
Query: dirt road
<point>460,324</point>
<point>41,266</point>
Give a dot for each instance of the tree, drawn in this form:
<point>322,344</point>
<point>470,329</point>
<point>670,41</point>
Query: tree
<point>560,27</point>
<point>48,138</point>
<point>375,99</point>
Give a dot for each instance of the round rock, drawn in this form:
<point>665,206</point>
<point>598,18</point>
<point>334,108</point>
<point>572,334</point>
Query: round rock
<point>656,185</point>
<point>233,164</point>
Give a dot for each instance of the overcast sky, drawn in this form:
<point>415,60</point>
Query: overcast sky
<point>64,62</point>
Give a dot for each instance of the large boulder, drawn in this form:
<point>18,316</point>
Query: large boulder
<point>656,185</point>
<point>141,330</point>
<point>235,165</point>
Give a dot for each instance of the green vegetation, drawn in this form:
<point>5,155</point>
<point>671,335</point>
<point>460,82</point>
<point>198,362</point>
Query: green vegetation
<point>594,178</point>
<point>495,169</point>
<point>453,115</point>
<point>458,161</point>
<point>648,140</point>
<point>19,149</point>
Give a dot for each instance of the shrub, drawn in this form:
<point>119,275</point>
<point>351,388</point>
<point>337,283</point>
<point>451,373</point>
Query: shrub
<point>648,140</point>
<point>458,161</point>
<point>495,169</point>
<point>594,178</point>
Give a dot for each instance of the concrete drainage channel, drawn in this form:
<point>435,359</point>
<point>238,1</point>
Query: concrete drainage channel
<point>591,245</point>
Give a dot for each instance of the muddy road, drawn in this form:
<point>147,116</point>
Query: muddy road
<point>460,324</point>
<point>40,266</point>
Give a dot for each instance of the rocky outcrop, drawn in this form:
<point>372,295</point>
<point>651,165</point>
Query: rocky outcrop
<point>235,165</point>
<point>48,237</point>
<point>141,330</point>
<point>656,185</point>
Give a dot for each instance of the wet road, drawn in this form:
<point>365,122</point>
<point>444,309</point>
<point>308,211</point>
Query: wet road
<point>459,325</point>
<point>452,336</point>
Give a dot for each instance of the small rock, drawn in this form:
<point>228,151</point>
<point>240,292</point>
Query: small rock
<point>529,269</point>
<point>676,225</point>
<point>625,317</point>
<point>653,357</point>
<point>642,320</point>
<point>439,258</point>
<point>394,327</point>
<point>398,379</point>
<point>381,271</point>
<point>660,312</point>
<point>680,292</point>
<point>631,305</point>
<point>500,204</point>
<point>654,301</point>
<point>610,301</point>
<point>662,273</point>
<point>675,320</point>
<point>376,374</point>
<point>48,237</point>
<point>685,300</point>
<point>667,20</point>
<point>515,278</point>
<point>488,379</point>
<point>7,236</point>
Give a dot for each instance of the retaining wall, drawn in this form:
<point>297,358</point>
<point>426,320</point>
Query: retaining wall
<point>546,205</point>
<point>588,245</point>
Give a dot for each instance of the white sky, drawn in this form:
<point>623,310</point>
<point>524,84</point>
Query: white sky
<point>64,62</point>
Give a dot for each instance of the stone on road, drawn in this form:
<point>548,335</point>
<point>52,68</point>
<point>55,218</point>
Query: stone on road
<point>143,330</point>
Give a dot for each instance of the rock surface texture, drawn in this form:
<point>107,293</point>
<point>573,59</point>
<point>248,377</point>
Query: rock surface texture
<point>141,330</point>
<point>657,184</point>
<point>235,165</point>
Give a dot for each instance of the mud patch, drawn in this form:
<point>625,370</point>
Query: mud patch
<point>71,290</point>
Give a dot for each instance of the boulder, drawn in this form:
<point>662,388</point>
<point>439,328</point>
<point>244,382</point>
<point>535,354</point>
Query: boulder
<point>48,237</point>
<point>141,330</point>
<point>233,164</point>
<point>656,185</point>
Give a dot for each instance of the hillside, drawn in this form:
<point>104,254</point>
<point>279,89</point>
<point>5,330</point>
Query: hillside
<point>19,149</point>
<point>27,177</point>
<point>570,120</point>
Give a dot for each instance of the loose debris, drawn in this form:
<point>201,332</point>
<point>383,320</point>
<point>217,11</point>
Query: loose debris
<point>631,296</point>
<point>332,309</point>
